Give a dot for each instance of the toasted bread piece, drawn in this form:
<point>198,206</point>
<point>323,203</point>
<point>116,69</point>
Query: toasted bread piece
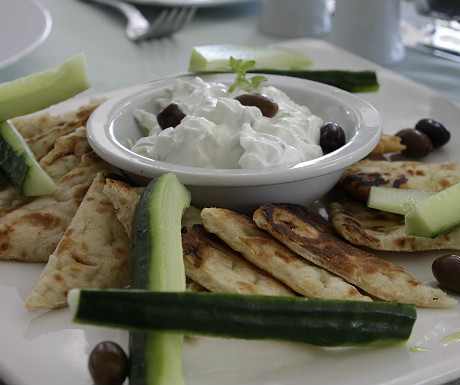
<point>93,253</point>
<point>218,268</point>
<point>66,155</point>
<point>388,144</point>
<point>294,226</point>
<point>257,246</point>
<point>124,198</point>
<point>41,122</point>
<point>359,177</point>
<point>41,143</point>
<point>31,232</point>
<point>380,230</point>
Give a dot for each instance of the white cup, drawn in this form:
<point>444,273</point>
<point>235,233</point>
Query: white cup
<point>295,18</point>
<point>369,28</point>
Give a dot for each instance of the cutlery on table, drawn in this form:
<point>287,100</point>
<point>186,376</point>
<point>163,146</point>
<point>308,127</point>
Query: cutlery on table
<point>138,28</point>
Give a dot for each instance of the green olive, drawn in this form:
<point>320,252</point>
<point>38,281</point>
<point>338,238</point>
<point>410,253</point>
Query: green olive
<point>108,364</point>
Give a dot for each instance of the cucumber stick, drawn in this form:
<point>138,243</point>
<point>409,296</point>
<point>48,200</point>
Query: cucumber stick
<point>320,322</point>
<point>216,57</point>
<point>395,200</point>
<point>34,92</point>
<point>19,165</point>
<point>156,264</point>
<point>279,61</point>
<point>435,215</point>
<point>351,81</point>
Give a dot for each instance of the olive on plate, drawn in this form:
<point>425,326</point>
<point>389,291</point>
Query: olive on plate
<point>108,364</point>
<point>265,104</point>
<point>446,270</point>
<point>170,116</point>
<point>417,143</point>
<point>331,137</point>
<point>437,132</point>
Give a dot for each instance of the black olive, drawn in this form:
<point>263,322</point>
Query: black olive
<point>265,104</point>
<point>437,132</point>
<point>108,364</point>
<point>331,137</point>
<point>170,116</point>
<point>446,270</point>
<point>417,143</point>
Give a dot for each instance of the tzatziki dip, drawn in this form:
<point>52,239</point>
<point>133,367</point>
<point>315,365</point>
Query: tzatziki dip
<point>217,131</point>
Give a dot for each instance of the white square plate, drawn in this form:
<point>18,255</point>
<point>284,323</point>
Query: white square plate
<point>47,348</point>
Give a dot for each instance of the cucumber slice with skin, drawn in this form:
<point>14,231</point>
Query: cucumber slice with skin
<point>435,215</point>
<point>156,264</point>
<point>216,57</point>
<point>351,81</point>
<point>19,165</point>
<point>395,200</point>
<point>320,322</point>
<point>34,92</point>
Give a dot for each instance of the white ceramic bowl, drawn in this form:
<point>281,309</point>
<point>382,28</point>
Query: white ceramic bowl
<point>241,189</point>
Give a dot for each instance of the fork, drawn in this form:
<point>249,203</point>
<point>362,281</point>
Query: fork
<point>138,28</point>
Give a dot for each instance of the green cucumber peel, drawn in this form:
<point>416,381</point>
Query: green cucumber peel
<point>435,215</point>
<point>156,264</point>
<point>320,322</point>
<point>351,81</point>
<point>40,90</point>
<point>19,165</point>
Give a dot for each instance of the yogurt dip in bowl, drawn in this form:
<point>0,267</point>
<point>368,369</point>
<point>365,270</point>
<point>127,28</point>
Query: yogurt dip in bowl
<point>236,180</point>
<point>217,131</point>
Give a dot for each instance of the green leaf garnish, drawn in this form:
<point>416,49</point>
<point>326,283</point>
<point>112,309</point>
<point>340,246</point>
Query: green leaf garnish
<point>241,67</point>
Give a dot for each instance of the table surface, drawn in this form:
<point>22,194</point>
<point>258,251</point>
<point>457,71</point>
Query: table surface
<point>114,62</point>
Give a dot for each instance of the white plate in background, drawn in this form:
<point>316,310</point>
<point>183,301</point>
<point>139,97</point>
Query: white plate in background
<point>189,3</point>
<point>24,25</point>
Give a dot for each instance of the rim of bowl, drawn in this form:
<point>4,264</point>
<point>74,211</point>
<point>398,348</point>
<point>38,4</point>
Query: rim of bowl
<point>103,141</point>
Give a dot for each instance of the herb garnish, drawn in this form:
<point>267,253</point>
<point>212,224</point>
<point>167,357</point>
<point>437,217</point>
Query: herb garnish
<point>241,67</point>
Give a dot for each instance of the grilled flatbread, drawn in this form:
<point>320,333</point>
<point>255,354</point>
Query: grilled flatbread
<point>40,122</point>
<point>43,142</point>
<point>257,246</point>
<point>388,144</point>
<point>359,177</point>
<point>220,269</point>
<point>65,155</point>
<point>297,229</point>
<point>380,230</point>
<point>124,199</point>
<point>31,232</point>
<point>93,253</point>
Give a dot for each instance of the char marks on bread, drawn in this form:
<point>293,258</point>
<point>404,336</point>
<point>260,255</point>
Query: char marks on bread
<point>299,230</point>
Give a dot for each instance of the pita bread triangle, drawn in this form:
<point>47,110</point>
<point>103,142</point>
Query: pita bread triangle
<point>260,248</point>
<point>92,253</point>
<point>380,230</point>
